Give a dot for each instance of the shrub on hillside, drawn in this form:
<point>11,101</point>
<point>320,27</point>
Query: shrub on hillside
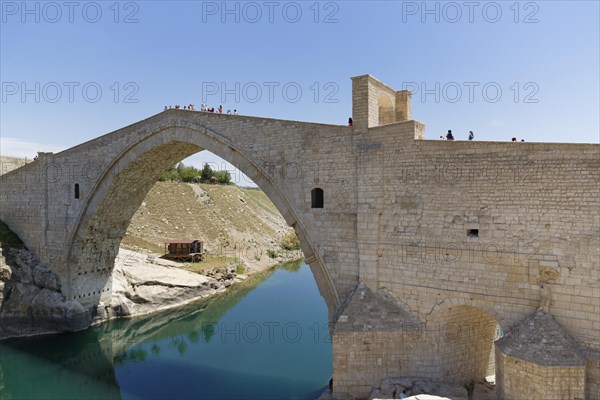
<point>190,174</point>
<point>290,241</point>
<point>223,177</point>
<point>272,253</point>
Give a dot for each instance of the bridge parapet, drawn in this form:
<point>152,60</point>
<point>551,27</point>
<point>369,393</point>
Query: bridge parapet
<point>375,104</point>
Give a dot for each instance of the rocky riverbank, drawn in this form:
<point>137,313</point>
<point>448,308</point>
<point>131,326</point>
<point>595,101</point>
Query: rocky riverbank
<point>31,302</point>
<point>143,285</point>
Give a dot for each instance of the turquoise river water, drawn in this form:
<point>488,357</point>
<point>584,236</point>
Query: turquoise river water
<point>267,338</point>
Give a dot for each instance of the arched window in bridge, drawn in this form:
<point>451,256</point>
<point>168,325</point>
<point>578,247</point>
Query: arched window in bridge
<point>316,196</point>
<point>77,190</point>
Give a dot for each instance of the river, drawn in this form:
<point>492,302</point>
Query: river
<point>266,338</point>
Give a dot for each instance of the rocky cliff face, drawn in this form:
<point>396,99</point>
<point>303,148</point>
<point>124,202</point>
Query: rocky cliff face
<point>30,299</point>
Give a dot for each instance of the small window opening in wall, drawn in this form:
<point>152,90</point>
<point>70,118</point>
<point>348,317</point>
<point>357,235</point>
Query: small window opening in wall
<point>316,196</point>
<point>77,190</point>
<point>473,233</point>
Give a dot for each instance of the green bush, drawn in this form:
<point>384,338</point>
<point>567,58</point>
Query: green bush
<point>206,174</point>
<point>290,241</point>
<point>223,177</point>
<point>170,175</point>
<point>272,253</point>
<point>239,270</point>
<point>190,174</point>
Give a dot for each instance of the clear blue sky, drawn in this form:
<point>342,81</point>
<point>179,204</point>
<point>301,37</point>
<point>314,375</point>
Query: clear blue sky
<point>543,56</point>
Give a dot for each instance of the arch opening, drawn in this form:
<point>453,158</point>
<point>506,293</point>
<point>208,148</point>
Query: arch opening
<point>97,235</point>
<point>463,338</point>
<point>316,197</point>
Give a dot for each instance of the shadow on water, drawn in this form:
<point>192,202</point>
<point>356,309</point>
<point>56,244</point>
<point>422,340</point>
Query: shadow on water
<point>67,366</point>
<point>91,364</point>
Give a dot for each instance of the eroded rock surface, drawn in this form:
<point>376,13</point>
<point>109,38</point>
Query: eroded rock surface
<point>30,299</point>
<point>141,287</point>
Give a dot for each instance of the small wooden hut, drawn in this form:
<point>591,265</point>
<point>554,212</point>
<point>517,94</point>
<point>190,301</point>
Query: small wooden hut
<point>184,250</point>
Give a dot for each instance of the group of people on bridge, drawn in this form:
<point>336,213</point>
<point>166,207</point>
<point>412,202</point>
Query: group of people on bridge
<point>450,136</point>
<point>203,107</point>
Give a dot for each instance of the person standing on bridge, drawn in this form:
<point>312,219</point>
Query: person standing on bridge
<point>221,109</point>
<point>471,135</point>
<point>449,135</point>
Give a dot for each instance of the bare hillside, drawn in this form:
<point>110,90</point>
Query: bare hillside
<point>234,223</point>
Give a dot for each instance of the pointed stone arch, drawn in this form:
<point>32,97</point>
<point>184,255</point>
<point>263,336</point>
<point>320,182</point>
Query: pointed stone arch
<point>107,212</point>
<point>480,305</point>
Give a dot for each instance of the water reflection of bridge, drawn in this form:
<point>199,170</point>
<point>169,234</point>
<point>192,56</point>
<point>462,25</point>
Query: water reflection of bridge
<point>191,324</point>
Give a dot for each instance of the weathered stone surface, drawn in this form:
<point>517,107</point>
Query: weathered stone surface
<point>375,394</point>
<point>144,274</point>
<point>50,300</point>
<point>481,392</point>
<point>5,272</point>
<point>22,273</point>
<point>539,360</point>
<point>440,389</point>
<point>120,306</point>
<point>30,310</point>
<point>45,278</point>
<point>366,310</point>
<point>140,287</point>
<point>30,300</point>
<point>397,387</point>
<point>392,387</point>
<point>539,339</point>
<point>20,298</point>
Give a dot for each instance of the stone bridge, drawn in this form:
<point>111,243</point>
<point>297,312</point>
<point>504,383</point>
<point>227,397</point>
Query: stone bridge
<point>425,251</point>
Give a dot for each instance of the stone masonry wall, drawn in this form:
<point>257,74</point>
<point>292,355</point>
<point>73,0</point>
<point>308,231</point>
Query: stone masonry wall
<point>527,381</point>
<point>535,207</point>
